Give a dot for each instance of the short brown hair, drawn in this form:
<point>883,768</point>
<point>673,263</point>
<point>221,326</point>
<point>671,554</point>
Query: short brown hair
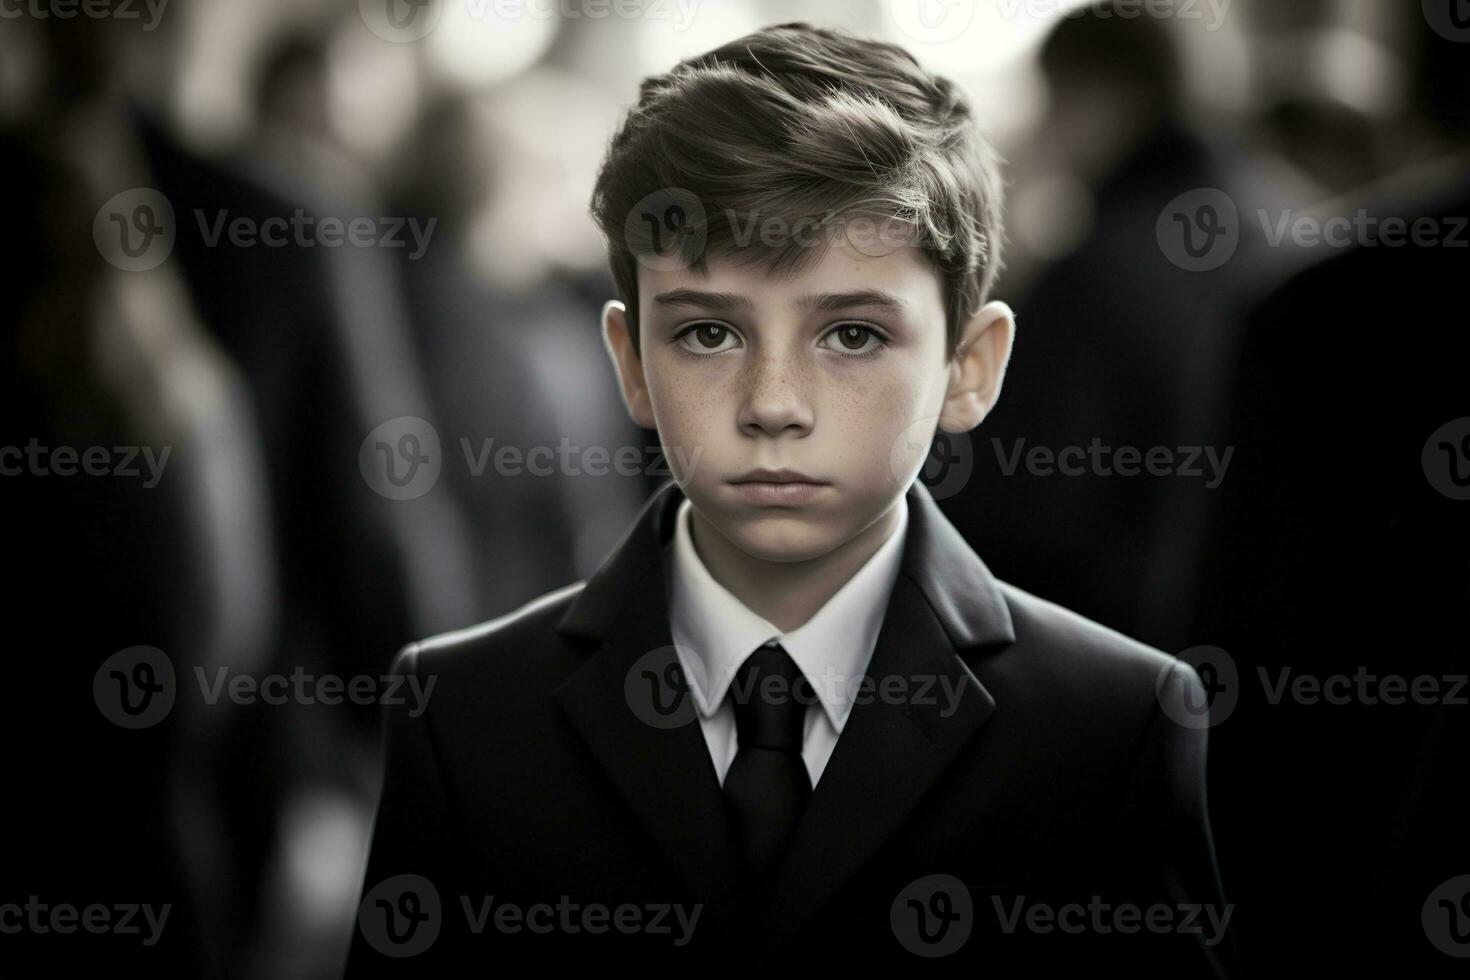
<point>795,122</point>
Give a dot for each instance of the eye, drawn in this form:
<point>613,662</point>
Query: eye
<point>704,338</point>
<point>853,339</point>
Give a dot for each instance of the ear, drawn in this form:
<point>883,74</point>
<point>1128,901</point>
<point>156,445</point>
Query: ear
<point>617,338</point>
<point>978,367</point>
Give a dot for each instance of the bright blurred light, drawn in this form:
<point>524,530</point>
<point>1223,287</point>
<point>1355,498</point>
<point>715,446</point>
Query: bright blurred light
<point>212,99</point>
<point>1359,72</point>
<point>373,90</point>
<point>972,36</point>
<point>662,42</point>
<point>220,42</point>
<point>545,135</point>
<point>1051,216</point>
<point>21,69</point>
<point>326,838</point>
<point>1007,103</point>
<point>481,42</point>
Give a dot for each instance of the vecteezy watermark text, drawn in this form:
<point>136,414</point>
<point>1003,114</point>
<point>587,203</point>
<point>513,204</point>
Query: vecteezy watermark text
<point>1364,687</point>
<point>63,918</point>
<point>403,915</point>
<point>934,916</point>
<point>1361,230</point>
<point>573,460</point>
<point>403,458</point>
<point>1211,13</point>
<point>1100,459</point>
<point>89,9</point>
<point>1201,230</point>
<point>38,460</point>
<point>657,918</point>
<point>407,21</point>
<point>659,688</point>
<point>308,231</point>
<point>137,687</point>
<point>1102,918</point>
<point>301,687</point>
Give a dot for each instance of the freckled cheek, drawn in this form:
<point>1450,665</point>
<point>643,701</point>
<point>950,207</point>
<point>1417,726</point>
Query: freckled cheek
<point>879,431</point>
<point>875,402</point>
<point>687,404</point>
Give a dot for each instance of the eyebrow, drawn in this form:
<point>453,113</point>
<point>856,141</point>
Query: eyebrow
<point>826,302</point>
<point>703,300</point>
<point>829,302</point>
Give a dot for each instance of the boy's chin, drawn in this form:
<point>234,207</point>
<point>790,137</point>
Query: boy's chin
<point>784,535</point>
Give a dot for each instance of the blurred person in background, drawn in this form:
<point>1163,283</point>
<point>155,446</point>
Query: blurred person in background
<point>109,364</point>
<point>1327,90</point>
<point>500,327</point>
<point>1119,340</point>
<point>320,337</point>
<point>1340,549</point>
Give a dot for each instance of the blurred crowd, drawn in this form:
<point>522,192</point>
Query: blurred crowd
<point>272,376</point>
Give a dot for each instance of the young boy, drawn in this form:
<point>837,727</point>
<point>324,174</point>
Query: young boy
<point>793,720</point>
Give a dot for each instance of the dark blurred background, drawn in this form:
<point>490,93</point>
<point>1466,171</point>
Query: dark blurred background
<point>203,430</point>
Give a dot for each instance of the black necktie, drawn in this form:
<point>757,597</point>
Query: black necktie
<point>767,784</point>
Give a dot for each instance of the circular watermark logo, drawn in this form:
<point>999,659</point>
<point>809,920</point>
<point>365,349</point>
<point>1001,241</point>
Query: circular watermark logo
<point>1446,459</point>
<point>401,916</point>
<point>932,21</point>
<point>657,689</point>
<point>401,21</point>
<point>667,230</point>
<point>1450,19</point>
<point>135,230</point>
<point>948,458</point>
<point>1446,917</point>
<point>1207,704</point>
<point>135,688</point>
<point>877,237</point>
<point>1199,230</point>
<point>401,458</point>
<point>933,916</point>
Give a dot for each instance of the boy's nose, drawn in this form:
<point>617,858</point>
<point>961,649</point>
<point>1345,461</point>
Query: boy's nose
<point>774,402</point>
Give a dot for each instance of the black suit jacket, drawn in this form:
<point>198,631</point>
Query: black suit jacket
<point>554,765</point>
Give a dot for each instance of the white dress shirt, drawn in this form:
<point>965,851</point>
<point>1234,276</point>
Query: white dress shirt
<point>714,632</point>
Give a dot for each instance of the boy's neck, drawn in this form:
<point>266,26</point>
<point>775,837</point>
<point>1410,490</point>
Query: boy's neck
<point>786,593</point>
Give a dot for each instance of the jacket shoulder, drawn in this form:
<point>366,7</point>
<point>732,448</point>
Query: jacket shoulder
<point>1094,663</point>
<point>522,632</point>
<point>1040,620</point>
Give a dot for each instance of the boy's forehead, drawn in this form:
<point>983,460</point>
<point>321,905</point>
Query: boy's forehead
<point>902,272</point>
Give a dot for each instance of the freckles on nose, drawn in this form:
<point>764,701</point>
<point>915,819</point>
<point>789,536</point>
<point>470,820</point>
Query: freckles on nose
<point>775,383</point>
<point>776,373</point>
<point>779,396</point>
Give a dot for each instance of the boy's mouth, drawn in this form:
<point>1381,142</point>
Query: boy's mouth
<point>777,476</point>
<point>781,488</point>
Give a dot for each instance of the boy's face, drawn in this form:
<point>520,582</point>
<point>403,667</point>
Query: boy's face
<point>836,371</point>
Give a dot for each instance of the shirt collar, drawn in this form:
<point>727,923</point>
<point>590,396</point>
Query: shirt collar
<point>714,632</point>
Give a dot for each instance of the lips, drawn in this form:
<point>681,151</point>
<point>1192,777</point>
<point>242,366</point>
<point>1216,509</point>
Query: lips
<point>777,488</point>
<point>777,476</point>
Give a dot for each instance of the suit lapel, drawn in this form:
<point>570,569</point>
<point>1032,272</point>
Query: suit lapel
<point>891,751</point>
<point>629,705</point>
